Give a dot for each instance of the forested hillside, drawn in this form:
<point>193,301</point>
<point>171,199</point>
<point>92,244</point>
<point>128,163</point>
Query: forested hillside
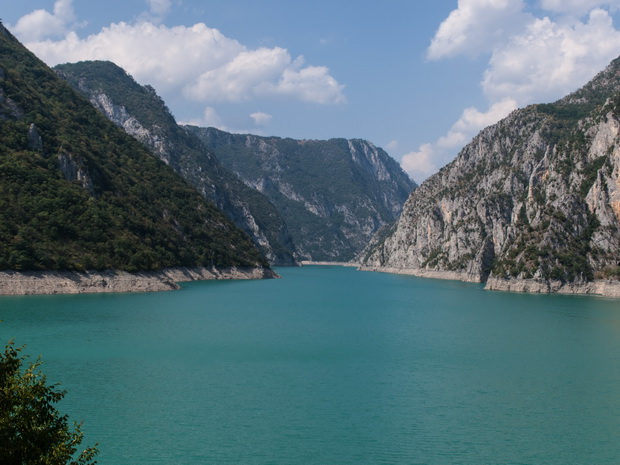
<point>333,194</point>
<point>77,193</point>
<point>143,114</point>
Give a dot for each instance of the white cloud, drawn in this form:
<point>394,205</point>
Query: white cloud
<point>548,60</point>
<point>209,118</point>
<point>158,9</point>
<point>421,164</point>
<point>392,145</point>
<point>475,27</point>
<point>430,157</point>
<point>41,23</point>
<point>261,118</point>
<point>577,7</point>
<point>266,72</point>
<point>472,120</point>
<point>198,62</point>
<point>241,77</point>
<point>311,84</point>
<point>531,60</point>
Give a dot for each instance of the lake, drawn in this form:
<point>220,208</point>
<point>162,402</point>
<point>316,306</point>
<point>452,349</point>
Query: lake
<point>330,365</point>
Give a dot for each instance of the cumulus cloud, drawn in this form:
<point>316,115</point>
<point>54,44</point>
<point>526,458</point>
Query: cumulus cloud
<point>430,157</point>
<point>577,7</point>
<point>241,77</point>
<point>260,118</point>
<point>422,163</point>
<point>536,59</point>
<point>311,84</point>
<point>548,59</point>
<point>41,23</point>
<point>475,26</point>
<point>158,9</point>
<point>209,118</point>
<point>198,62</point>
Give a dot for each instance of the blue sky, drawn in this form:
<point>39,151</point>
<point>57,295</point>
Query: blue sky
<point>414,77</point>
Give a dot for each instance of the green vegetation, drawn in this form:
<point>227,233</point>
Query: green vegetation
<point>32,430</point>
<point>322,193</point>
<point>590,174</point>
<point>185,154</point>
<point>118,207</point>
<point>142,102</point>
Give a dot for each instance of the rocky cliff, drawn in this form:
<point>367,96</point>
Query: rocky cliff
<point>141,113</point>
<point>532,203</point>
<point>333,195</point>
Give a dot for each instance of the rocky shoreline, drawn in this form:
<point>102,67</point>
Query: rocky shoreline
<point>73,282</point>
<point>423,273</point>
<point>605,288</point>
<point>326,263</point>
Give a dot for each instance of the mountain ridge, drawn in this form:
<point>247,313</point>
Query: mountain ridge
<point>304,218</point>
<point>78,194</point>
<point>531,203</point>
<point>334,194</point>
<point>140,112</point>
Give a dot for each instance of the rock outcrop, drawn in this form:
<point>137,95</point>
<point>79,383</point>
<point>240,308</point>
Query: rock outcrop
<point>333,195</point>
<point>298,200</point>
<point>73,282</point>
<point>531,204</point>
<point>141,113</point>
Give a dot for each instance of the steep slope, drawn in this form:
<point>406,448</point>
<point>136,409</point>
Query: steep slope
<point>333,195</point>
<point>141,113</point>
<point>532,203</point>
<point>79,194</point>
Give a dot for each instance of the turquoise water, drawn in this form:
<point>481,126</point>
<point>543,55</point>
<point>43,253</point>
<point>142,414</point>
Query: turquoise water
<point>329,365</point>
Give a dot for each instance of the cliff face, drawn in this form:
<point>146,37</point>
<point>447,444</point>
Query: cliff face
<point>534,198</point>
<point>142,114</point>
<point>333,195</point>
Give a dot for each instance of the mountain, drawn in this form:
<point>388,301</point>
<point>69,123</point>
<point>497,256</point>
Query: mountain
<point>531,204</point>
<point>79,194</point>
<point>140,112</point>
<point>333,195</point>
<point>285,199</point>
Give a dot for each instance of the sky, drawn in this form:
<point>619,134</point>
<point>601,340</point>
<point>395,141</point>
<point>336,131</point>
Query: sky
<point>417,78</point>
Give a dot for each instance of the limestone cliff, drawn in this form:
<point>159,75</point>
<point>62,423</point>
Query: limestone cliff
<point>333,194</point>
<point>534,198</point>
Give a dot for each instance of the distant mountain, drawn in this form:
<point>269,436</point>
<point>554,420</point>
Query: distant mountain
<point>142,114</point>
<point>532,203</point>
<point>304,200</point>
<point>333,195</point>
<point>77,193</point>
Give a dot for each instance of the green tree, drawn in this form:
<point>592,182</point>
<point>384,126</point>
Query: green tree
<point>32,431</point>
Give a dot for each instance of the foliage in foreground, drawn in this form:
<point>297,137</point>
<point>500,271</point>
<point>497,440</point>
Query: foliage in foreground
<point>32,431</point>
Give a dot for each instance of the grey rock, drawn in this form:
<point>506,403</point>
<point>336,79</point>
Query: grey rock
<point>333,194</point>
<point>533,198</point>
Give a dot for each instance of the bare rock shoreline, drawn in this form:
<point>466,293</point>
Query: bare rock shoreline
<point>605,288</point>
<point>73,282</point>
<point>326,263</point>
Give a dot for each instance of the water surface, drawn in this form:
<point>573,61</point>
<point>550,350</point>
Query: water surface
<point>329,365</point>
